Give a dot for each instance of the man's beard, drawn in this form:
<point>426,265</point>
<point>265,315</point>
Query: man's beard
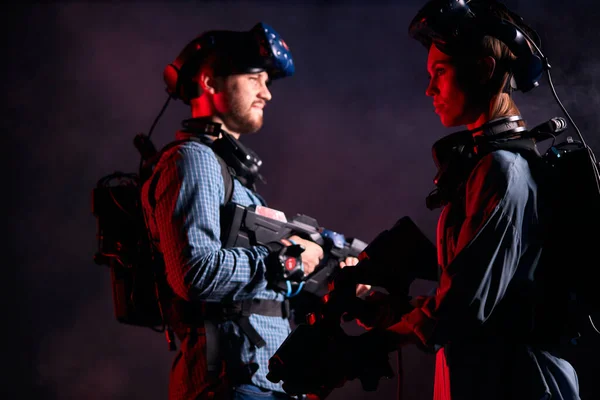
<point>242,120</point>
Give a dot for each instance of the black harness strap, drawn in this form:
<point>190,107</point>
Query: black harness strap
<point>240,312</point>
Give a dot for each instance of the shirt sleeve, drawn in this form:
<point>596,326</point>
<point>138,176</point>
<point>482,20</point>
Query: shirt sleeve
<point>188,196</point>
<point>487,253</point>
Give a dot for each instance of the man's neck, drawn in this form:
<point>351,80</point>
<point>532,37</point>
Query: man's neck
<point>196,113</point>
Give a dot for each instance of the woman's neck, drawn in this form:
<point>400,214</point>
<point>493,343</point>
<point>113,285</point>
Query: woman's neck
<point>482,119</point>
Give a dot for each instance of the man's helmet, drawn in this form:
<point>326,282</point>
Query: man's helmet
<point>229,52</point>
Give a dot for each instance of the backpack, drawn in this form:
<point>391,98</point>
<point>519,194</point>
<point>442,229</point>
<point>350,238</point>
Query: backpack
<point>567,273</point>
<point>140,292</point>
<point>568,268</point>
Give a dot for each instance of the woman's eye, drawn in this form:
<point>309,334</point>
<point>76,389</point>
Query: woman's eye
<point>440,71</point>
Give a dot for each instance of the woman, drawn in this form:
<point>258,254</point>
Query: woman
<point>489,232</point>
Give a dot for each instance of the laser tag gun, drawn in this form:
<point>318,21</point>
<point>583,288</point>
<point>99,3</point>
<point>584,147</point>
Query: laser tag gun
<point>392,261</point>
<point>257,225</point>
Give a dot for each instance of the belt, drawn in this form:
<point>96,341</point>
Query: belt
<point>240,312</point>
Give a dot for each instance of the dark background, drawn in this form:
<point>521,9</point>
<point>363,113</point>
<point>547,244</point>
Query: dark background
<point>346,140</point>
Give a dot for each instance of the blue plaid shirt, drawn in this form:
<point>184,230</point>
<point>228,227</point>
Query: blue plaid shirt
<point>185,224</point>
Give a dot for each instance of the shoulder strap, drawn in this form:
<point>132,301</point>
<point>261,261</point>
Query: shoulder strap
<point>227,178</point>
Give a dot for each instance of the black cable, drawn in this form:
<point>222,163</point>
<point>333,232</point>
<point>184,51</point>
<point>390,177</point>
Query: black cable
<point>547,67</point>
<point>164,107</point>
<point>159,115</point>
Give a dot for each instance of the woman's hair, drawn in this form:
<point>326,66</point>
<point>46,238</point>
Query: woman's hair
<point>501,101</point>
<point>498,88</point>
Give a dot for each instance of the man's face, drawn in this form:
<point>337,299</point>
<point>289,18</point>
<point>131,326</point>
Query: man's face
<point>241,101</point>
<point>452,103</point>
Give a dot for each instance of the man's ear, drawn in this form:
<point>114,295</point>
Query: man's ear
<point>208,83</point>
<point>485,69</point>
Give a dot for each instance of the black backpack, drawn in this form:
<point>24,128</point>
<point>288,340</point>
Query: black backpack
<point>569,268</point>
<point>568,271</point>
<point>140,292</point>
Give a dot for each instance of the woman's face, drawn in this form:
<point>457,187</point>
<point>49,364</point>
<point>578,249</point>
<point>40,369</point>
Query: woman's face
<point>454,105</point>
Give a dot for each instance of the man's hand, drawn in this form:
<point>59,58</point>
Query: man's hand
<point>312,254</point>
<point>360,288</point>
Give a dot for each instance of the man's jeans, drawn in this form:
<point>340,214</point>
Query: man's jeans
<point>251,392</point>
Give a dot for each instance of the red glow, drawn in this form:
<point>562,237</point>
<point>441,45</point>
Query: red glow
<point>290,263</point>
<point>284,44</point>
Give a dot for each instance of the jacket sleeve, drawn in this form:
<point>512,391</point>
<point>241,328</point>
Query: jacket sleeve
<point>489,247</point>
<point>188,195</point>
